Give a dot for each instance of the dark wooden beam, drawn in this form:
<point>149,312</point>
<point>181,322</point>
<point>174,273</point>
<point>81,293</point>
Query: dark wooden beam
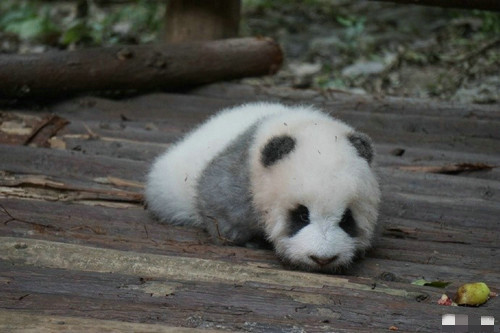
<point>188,20</point>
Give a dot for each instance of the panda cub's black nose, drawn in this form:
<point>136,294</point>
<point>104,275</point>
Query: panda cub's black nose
<point>322,261</point>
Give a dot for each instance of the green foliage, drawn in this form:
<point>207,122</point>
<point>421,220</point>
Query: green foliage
<point>27,19</point>
<point>491,21</point>
<point>135,22</point>
<point>329,80</point>
<point>76,32</point>
<point>355,25</point>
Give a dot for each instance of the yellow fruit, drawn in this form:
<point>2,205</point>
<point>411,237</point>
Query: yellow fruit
<point>472,294</point>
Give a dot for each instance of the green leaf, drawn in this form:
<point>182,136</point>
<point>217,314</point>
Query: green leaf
<point>345,21</point>
<point>435,284</point>
<point>419,282</point>
<point>27,29</point>
<point>75,33</point>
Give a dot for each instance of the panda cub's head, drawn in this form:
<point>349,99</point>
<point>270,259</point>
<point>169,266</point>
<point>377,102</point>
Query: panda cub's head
<point>312,182</point>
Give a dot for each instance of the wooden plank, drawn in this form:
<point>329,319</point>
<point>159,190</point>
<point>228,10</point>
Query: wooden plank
<point>18,128</point>
<point>438,253</point>
<point>470,129</point>
<point>31,321</point>
<point>342,100</point>
<point>144,140</point>
<point>428,200</point>
<point>110,146</point>
<point>416,127</point>
<point>458,211</point>
<point>132,229</point>
<point>394,270</point>
<point>128,228</point>
<point>478,211</point>
<point>157,107</point>
<point>41,187</point>
<point>40,253</point>
<point>445,186</point>
<point>395,156</point>
<point>226,294</point>
<point>170,105</point>
<point>69,164</point>
<point>431,225</point>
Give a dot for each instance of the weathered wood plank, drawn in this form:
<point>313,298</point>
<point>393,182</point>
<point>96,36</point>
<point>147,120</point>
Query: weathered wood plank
<point>289,317</point>
<point>144,140</point>
<point>115,228</point>
<point>134,142</point>
<point>40,253</point>
<point>66,206</point>
<point>273,298</point>
<point>417,121</point>
<point>394,180</point>
<point>418,128</point>
<point>132,229</point>
<point>402,271</point>
<point>470,257</point>
<point>160,108</point>
<point>427,203</point>
<point>34,321</point>
<point>424,119</point>
<point>88,168</point>
<point>344,100</point>
<point>70,164</point>
<point>462,212</point>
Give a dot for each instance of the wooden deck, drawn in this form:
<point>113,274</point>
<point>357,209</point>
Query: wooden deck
<point>78,252</point>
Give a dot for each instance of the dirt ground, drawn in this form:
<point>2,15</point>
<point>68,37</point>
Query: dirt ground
<point>387,49</point>
<point>361,46</point>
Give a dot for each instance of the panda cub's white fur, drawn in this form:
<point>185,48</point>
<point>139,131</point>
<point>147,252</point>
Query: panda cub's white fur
<point>294,175</point>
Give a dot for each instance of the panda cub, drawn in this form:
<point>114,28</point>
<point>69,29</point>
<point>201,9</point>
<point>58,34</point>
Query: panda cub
<point>294,175</point>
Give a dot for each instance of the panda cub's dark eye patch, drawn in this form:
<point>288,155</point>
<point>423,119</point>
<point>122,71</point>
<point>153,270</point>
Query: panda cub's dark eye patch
<point>299,218</point>
<point>348,224</point>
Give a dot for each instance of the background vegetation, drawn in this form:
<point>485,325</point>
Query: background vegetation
<point>363,47</point>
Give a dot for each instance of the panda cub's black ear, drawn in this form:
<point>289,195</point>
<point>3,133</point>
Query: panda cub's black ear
<point>276,148</point>
<point>363,145</point>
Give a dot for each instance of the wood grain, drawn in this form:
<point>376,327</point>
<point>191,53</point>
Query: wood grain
<point>78,246</point>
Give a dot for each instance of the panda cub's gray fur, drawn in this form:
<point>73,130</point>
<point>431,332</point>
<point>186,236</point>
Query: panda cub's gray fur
<point>293,175</point>
<point>224,200</point>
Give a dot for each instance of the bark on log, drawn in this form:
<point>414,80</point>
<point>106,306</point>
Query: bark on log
<point>467,4</point>
<point>136,68</point>
<point>190,20</point>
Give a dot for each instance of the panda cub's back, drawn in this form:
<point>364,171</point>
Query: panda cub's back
<point>176,172</point>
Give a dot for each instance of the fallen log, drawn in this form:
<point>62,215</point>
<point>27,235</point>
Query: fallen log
<point>135,68</point>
